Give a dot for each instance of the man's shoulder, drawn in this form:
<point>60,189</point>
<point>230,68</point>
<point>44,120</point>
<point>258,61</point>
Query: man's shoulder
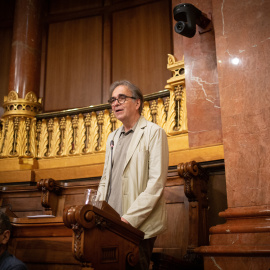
<point>10,262</point>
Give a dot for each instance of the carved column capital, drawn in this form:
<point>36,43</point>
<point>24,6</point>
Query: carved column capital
<point>15,106</point>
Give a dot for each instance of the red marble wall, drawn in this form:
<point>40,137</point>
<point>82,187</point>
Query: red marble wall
<point>202,86</point>
<point>227,82</point>
<point>243,46</point>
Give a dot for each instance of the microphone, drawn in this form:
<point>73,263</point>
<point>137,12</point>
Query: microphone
<point>109,185</point>
<point>112,144</point>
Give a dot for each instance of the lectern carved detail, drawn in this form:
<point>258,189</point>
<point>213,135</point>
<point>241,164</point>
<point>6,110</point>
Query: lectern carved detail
<point>100,239</point>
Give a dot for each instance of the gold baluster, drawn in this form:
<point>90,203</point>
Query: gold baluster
<point>62,127</point>
<point>55,141</point>
<point>87,121</point>
<point>16,122</point>
<point>50,130</point>
<point>33,139</point>
<point>4,134</point>
<point>113,120</point>
<point>21,145</point>
<point>8,143</point>
<point>178,97</point>
<point>27,126</point>
<point>153,109</point>
<point>161,114</point>
<point>74,122</point>
<point>100,122</point>
<point>146,111</point>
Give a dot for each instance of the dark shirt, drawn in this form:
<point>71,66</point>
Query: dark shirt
<point>10,262</point>
<point>119,158</point>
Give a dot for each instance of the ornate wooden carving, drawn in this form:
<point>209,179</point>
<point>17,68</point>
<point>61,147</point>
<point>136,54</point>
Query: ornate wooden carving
<point>100,239</point>
<point>49,196</point>
<point>196,191</point>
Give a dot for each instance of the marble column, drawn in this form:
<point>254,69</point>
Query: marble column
<point>243,45</point>
<point>24,76</point>
<point>201,77</point>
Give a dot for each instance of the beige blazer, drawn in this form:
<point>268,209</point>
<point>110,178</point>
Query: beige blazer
<point>144,177</point>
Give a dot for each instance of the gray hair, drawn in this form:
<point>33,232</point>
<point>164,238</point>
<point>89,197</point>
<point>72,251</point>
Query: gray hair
<point>135,91</point>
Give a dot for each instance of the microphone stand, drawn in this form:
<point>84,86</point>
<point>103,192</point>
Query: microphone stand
<point>109,185</point>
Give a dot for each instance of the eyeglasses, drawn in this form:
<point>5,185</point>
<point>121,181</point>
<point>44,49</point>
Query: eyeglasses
<point>121,99</point>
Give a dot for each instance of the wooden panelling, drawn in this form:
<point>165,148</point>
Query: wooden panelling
<point>141,40</point>
<point>74,64</point>
<point>174,240</point>
<point>89,44</point>
<point>61,6</point>
<point>45,250</point>
<point>217,196</point>
<point>26,200</point>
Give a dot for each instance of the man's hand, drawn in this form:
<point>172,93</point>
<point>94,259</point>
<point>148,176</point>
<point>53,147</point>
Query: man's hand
<point>124,220</point>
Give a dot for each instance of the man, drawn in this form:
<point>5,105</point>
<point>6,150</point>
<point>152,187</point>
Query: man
<point>135,169</point>
<point>7,261</point>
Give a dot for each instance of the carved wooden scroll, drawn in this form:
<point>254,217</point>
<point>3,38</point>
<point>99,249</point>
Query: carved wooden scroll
<point>196,191</point>
<point>100,239</point>
<point>49,197</point>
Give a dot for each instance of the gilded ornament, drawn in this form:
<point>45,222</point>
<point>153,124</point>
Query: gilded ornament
<point>55,141</point>
<point>50,131</point>
<point>21,145</point>
<point>146,111</point>
<point>107,126</point>
<point>153,111</point>
<point>3,134</point>
<point>171,59</point>
<point>8,143</point>
<point>25,107</point>
<point>100,121</point>
<point>31,96</point>
<point>12,95</point>
<point>80,135</point>
<point>32,139</point>
<point>62,127</point>
<point>171,114</point>
<point>16,122</point>
<point>74,122</point>
<point>87,122</point>
<point>68,137</point>
<point>43,142</point>
<point>93,143</point>
<point>161,114</point>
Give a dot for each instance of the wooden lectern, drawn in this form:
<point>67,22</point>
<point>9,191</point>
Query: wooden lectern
<point>101,240</point>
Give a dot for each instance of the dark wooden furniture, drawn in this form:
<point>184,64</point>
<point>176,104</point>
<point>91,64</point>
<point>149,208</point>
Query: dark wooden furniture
<point>100,239</point>
<point>46,243</point>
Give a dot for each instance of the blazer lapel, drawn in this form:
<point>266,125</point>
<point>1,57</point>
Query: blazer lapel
<point>135,139</point>
<point>115,139</point>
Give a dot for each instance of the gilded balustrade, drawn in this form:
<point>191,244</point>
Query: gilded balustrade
<point>85,130</point>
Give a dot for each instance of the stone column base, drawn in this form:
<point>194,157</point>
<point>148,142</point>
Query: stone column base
<point>243,242</point>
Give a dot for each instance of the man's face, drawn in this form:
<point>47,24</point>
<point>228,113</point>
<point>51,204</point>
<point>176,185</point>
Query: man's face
<point>126,111</point>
